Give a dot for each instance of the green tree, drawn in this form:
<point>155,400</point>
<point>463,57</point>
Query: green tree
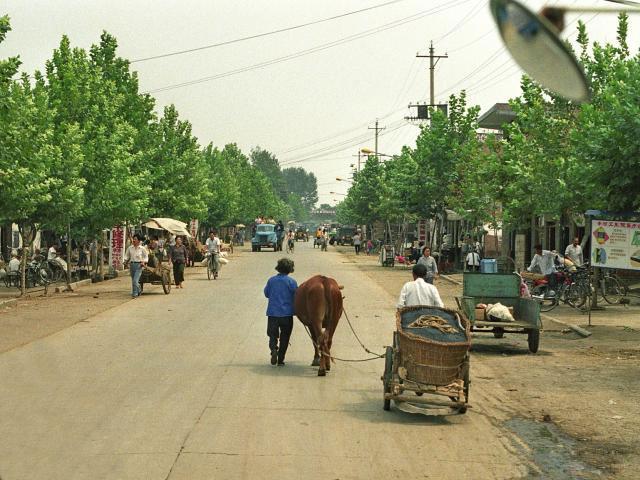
<point>224,188</point>
<point>116,191</point>
<point>303,185</point>
<point>607,139</point>
<point>178,170</point>
<point>266,162</point>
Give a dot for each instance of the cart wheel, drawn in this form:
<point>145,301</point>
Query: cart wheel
<point>498,332</point>
<point>533,338</point>
<point>166,283</point>
<point>388,374</point>
<point>467,383</point>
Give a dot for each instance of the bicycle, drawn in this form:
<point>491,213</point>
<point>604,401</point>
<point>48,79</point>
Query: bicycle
<point>212,266</point>
<point>610,288</point>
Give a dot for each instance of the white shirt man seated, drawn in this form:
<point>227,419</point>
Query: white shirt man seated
<point>14,264</point>
<point>419,292</point>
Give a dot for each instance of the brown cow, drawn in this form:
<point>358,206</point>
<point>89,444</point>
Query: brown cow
<point>318,305</point>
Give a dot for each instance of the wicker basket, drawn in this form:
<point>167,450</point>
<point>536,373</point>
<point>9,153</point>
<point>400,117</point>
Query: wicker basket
<point>429,361</point>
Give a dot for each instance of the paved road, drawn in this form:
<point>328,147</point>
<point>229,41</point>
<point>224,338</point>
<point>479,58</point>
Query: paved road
<point>180,387</point>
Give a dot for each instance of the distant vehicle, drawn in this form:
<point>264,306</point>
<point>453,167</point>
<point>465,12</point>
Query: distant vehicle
<point>345,235</point>
<point>265,237</point>
<point>302,234</point>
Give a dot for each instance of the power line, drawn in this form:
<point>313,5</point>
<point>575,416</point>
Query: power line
<point>464,20</point>
<point>264,34</point>
<point>325,46</point>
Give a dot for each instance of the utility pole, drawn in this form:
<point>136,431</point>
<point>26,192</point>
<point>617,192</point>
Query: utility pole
<point>433,61</point>
<point>377,129</point>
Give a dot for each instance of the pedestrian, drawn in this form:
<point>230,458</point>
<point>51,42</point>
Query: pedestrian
<point>430,263</point>
<point>473,261</point>
<point>574,252</point>
<point>544,260</point>
<point>369,247</point>
<point>136,256</point>
<point>357,242</point>
<point>280,290</point>
<point>178,256</point>
<point>419,292</point>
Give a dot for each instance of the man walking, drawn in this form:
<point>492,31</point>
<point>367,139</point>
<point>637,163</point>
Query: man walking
<point>357,242</point>
<point>280,290</point>
<point>137,257</point>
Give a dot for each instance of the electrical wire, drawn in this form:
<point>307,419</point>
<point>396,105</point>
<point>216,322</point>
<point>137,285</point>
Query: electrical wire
<point>264,34</point>
<point>318,48</point>
<point>464,20</point>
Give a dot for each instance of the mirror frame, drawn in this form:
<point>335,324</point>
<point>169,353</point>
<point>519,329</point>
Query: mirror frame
<point>551,32</point>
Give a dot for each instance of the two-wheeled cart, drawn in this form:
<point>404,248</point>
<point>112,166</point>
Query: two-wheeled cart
<point>504,288</point>
<point>426,367</point>
<point>158,275</point>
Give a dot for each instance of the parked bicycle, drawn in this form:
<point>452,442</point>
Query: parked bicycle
<point>610,288</point>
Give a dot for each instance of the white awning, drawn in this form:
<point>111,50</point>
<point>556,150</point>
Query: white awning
<point>169,224</point>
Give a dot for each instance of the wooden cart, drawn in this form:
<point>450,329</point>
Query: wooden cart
<point>160,275</point>
<point>426,371</point>
<point>503,288</point>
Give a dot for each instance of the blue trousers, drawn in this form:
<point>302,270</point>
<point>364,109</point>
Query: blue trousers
<point>135,269</point>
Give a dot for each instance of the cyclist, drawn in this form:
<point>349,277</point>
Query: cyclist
<point>213,247</point>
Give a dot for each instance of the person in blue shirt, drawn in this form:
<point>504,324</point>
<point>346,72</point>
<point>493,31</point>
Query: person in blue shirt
<point>280,290</point>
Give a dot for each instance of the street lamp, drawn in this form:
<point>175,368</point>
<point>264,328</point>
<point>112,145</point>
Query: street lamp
<point>368,151</point>
<point>533,42</point>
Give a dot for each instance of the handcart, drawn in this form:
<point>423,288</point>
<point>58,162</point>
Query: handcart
<point>387,255</point>
<point>491,288</point>
<point>159,275</point>
<point>428,368</point>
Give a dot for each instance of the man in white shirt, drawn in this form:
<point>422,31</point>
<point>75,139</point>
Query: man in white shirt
<point>473,261</point>
<point>137,257</point>
<point>419,292</point>
<point>14,264</point>
<point>574,252</point>
<point>213,247</point>
<point>545,261</point>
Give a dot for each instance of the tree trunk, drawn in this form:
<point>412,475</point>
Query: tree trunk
<point>27,232</point>
<point>68,256</point>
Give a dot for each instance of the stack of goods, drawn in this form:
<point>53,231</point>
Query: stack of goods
<point>494,312</point>
<point>433,323</point>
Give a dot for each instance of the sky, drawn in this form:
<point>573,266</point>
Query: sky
<point>312,94</point>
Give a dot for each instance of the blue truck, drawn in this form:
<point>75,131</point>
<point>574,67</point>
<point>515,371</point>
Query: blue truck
<point>265,237</point>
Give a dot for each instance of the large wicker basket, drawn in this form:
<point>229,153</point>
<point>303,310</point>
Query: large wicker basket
<point>430,361</point>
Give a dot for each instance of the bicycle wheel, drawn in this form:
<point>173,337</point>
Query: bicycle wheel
<point>576,295</point>
<point>547,302</point>
<point>209,268</point>
<point>612,292</point>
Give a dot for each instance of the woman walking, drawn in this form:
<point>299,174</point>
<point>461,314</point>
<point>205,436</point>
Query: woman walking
<point>179,257</point>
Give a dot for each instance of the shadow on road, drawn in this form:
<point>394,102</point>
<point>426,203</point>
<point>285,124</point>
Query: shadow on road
<point>370,409</point>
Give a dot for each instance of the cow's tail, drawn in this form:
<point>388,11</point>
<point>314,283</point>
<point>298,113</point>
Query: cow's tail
<point>329,300</point>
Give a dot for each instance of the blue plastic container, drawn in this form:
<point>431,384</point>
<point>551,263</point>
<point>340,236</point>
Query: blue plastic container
<point>488,265</point>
